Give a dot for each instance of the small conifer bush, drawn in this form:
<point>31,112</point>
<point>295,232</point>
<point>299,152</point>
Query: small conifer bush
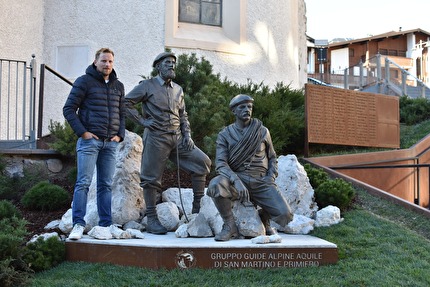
<point>8,210</point>
<point>316,175</point>
<point>13,270</point>
<point>45,254</point>
<point>45,196</point>
<point>335,192</point>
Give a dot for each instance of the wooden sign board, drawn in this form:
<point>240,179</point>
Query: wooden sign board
<point>345,117</point>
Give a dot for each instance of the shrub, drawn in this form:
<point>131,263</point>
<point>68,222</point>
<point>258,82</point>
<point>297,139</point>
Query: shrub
<point>45,254</point>
<point>8,187</point>
<point>413,111</point>
<point>12,234</point>
<point>14,273</point>
<point>335,192</point>
<point>8,210</point>
<point>13,270</point>
<point>45,196</point>
<point>64,138</point>
<point>316,175</point>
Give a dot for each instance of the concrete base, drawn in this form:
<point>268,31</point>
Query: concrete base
<point>167,251</point>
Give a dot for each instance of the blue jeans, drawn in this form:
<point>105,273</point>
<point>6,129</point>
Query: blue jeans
<point>90,154</point>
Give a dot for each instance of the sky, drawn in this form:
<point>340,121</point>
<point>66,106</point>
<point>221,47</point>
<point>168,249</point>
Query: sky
<point>329,19</point>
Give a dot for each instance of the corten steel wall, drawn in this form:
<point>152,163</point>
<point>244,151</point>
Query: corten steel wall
<point>409,184</point>
<point>345,117</point>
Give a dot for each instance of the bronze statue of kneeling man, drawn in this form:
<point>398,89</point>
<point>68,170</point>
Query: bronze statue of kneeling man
<point>246,166</point>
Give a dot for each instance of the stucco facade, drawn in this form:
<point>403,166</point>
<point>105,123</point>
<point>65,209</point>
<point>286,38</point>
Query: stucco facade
<point>64,34</point>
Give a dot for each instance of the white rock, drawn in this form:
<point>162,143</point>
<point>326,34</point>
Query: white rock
<point>247,220</point>
<point>261,239</point>
<point>275,238</point>
<point>173,195</point>
<point>293,183</point>
<point>45,236</point>
<point>52,225</point>
<point>264,239</point>
<point>66,224</point>
<point>168,214</point>
<point>99,232</point>
<point>209,210</point>
<point>300,225</point>
<point>135,233</point>
<point>181,231</point>
<point>199,227</point>
<point>118,233</point>
<point>327,216</point>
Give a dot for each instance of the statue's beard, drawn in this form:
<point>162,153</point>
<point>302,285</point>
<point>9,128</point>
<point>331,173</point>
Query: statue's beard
<point>168,74</point>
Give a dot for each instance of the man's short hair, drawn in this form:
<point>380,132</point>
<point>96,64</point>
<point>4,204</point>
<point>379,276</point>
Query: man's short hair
<point>103,50</point>
<point>239,99</point>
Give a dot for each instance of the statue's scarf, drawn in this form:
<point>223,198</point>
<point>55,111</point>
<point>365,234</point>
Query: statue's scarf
<point>247,146</point>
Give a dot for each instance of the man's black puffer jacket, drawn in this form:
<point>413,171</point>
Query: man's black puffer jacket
<point>96,106</point>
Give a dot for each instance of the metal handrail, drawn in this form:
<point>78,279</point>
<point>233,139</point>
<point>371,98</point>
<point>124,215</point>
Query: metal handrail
<point>417,196</point>
<point>44,67</point>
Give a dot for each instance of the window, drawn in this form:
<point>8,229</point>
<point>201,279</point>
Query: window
<point>229,36</point>
<point>206,12</point>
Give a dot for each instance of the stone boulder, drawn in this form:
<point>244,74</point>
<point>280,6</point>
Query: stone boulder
<point>293,183</point>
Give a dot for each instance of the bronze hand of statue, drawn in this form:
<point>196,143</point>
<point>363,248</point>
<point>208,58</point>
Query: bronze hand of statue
<point>148,123</point>
<point>242,191</point>
<point>187,142</point>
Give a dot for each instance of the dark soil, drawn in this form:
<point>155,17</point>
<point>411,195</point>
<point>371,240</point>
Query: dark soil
<point>37,220</point>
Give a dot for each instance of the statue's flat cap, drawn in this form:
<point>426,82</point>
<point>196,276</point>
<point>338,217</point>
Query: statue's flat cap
<point>239,99</point>
<point>162,56</point>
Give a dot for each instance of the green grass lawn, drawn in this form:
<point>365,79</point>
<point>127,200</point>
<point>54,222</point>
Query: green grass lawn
<point>379,244</point>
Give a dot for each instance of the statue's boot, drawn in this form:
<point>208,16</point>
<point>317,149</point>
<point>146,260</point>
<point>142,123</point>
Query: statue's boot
<point>198,192</point>
<point>229,228</point>
<point>265,218</point>
<point>154,225</point>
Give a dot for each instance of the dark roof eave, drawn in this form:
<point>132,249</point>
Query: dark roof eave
<point>377,37</point>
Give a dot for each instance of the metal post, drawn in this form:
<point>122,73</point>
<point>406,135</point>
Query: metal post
<point>345,78</point>
<point>41,95</point>
<point>33,102</point>
<point>360,84</point>
<point>379,72</point>
<point>387,74</point>
<point>404,86</point>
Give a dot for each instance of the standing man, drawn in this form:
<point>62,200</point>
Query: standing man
<point>167,135</point>
<point>246,165</point>
<point>95,111</point>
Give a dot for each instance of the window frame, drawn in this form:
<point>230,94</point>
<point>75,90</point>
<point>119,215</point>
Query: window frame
<point>230,38</point>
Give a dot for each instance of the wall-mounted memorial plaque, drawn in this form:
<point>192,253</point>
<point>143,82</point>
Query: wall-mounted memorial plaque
<point>345,117</point>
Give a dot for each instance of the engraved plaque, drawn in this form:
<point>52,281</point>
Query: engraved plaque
<point>346,117</point>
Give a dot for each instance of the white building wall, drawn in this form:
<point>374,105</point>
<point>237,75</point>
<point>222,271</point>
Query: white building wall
<point>21,29</point>
<point>275,37</point>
